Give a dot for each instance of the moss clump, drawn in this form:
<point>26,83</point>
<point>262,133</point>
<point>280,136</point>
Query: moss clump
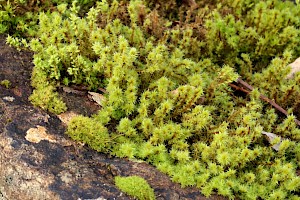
<point>44,95</point>
<point>90,131</point>
<point>135,186</point>
<point>5,83</point>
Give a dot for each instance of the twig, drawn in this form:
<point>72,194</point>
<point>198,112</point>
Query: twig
<point>263,97</point>
<point>239,88</point>
<point>245,84</point>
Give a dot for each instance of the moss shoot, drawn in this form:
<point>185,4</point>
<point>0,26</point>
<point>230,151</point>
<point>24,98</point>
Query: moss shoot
<point>5,83</point>
<point>135,186</point>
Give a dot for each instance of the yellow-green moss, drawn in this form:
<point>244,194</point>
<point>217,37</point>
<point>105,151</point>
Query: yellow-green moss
<point>167,77</point>
<point>6,83</point>
<point>135,186</point>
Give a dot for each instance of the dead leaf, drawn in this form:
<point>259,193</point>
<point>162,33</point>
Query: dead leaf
<point>98,98</point>
<point>72,91</point>
<point>102,90</point>
<point>270,137</point>
<point>66,117</point>
<point>295,67</point>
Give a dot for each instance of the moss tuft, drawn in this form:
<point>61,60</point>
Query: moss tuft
<point>6,83</point>
<point>135,186</point>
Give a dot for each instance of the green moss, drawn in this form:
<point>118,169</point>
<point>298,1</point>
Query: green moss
<point>167,75</point>
<point>91,132</point>
<point>135,186</point>
<point>6,83</point>
<point>47,99</point>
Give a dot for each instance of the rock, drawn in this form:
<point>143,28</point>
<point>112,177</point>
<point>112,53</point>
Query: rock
<point>37,134</point>
<point>10,99</point>
<point>18,179</point>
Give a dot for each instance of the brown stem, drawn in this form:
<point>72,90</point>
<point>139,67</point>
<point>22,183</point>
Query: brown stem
<point>245,84</point>
<point>239,88</point>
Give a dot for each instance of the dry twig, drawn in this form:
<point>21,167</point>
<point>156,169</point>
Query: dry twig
<point>248,88</point>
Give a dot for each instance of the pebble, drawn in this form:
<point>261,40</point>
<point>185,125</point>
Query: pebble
<point>8,98</point>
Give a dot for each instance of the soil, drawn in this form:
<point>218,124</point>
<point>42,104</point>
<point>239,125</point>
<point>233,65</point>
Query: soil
<point>59,168</point>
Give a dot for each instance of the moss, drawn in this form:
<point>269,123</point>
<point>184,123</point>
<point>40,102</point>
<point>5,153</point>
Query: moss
<point>6,83</point>
<point>88,130</point>
<point>168,75</point>
<point>47,99</point>
<point>135,186</point>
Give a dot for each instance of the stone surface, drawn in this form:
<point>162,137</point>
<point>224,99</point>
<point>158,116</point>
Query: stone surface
<point>38,134</point>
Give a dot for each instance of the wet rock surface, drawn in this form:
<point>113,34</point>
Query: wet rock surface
<point>38,161</point>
